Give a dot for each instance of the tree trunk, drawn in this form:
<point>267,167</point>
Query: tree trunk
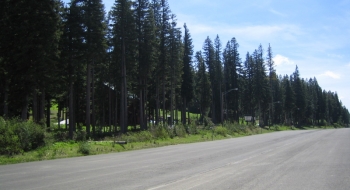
<point>42,106</point>
<point>6,100</point>
<point>157,102</point>
<point>116,112</point>
<point>35,107</point>
<point>71,110</point>
<point>141,109</point>
<point>93,122</point>
<point>183,112</point>
<point>124,93</point>
<point>88,102</point>
<point>48,113</point>
<point>24,113</point>
<point>109,106</point>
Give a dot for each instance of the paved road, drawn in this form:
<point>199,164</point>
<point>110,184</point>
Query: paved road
<point>314,159</point>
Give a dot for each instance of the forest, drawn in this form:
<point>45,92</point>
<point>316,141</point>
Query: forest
<point>136,64</point>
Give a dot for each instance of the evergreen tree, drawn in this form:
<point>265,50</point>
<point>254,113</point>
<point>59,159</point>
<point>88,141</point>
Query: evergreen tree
<point>202,89</point>
<point>146,31</point>
<point>232,64</point>
<point>187,81</point>
<point>209,60</point>
<point>124,51</point>
<point>96,44</point>
<point>260,84</point>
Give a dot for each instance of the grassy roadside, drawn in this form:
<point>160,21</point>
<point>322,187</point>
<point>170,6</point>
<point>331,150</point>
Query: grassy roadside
<point>135,141</point>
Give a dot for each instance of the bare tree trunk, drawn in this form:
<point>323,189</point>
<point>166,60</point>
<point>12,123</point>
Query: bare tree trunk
<point>116,112</point>
<point>35,107</point>
<point>141,109</point>
<point>109,106</point>
<point>124,93</point>
<point>145,106</point>
<point>71,110</point>
<point>24,115</point>
<point>93,103</point>
<point>164,112</point>
<point>48,113</point>
<point>183,111</point>
<point>88,97</point>
<point>157,102</point>
<point>42,106</point>
<point>6,100</point>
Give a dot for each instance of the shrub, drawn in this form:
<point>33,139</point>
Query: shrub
<point>192,129</point>
<point>80,136</point>
<point>220,131</point>
<point>84,148</point>
<point>9,141</point>
<point>144,136</point>
<point>61,136</point>
<point>207,122</point>
<point>236,128</point>
<point>336,125</point>
<point>159,132</point>
<point>180,130</point>
<point>276,127</point>
<point>17,136</point>
<point>31,135</point>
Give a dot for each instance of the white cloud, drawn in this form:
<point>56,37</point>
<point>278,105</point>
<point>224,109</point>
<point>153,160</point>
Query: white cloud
<point>277,13</point>
<point>337,56</point>
<point>282,60</point>
<point>331,75</point>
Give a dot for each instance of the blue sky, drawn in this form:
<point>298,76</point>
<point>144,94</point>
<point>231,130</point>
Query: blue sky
<point>313,34</point>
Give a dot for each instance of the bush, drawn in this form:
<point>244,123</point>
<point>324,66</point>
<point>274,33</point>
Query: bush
<point>192,129</point>
<point>220,131</point>
<point>236,128</point>
<point>159,132</point>
<point>31,135</point>
<point>276,127</point>
<point>84,148</point>
<point>80,136</point>
<point>336,125</point>
<point>17,136</point>
<point>207,122</point>
<point>61,136</point>
<point>9,141</point>
<point>180,130</point>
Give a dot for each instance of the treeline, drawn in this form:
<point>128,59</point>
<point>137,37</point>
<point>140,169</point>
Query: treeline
<point>134,64</point>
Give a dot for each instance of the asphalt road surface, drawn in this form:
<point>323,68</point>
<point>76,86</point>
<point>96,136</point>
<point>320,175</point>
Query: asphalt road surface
<point>312,159</point>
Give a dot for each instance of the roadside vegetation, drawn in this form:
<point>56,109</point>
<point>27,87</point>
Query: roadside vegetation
<point>27,141</point>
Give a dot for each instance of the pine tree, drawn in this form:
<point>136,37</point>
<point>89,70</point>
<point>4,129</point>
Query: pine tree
<point>300,102</point>
<point>124,50</point>
<point>187,81</point>
<point>202,88</point>
<point>260,84</point>
<point>289,101</point>
<point>209,60</point>
<point>29,51</point>
<point>232,64</point>
<point>272,74</point>
<point>146,30</point>
<point>217,80</point>
<point>96,45</point>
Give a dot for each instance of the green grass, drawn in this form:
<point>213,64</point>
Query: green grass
<point>71,149</point>
<point>136,141</point>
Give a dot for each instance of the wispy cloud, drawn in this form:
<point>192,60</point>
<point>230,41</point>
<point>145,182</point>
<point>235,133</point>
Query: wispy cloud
<point>282,60</point>
<point>331,75</point>
<point>331,55</point>
<point>277,13</point>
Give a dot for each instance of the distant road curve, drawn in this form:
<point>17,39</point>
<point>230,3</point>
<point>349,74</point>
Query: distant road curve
<point>310,159</point>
